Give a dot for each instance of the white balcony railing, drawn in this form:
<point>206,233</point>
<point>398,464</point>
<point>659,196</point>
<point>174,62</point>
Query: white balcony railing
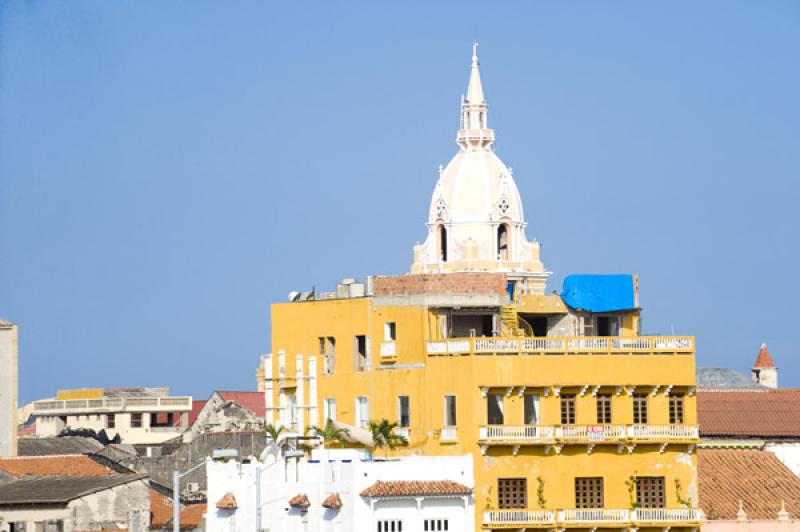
<point>389,349</point>
<point>565,345</point>
<point>518,517</point>
<point>519,433</point>
<point>663,432</point>
<point>585,434</point>
<point>666,515</point>
<point>591,515</point>
<point>112,404</point>
<point>448,434</point>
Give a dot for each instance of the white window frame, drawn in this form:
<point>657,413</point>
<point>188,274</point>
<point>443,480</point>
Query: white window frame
<point>329,409</point>
<point>362,412</point>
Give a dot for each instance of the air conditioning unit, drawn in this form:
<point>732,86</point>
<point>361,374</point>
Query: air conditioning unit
<point>192,487</point>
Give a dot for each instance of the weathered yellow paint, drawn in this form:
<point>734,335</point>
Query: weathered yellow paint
<point>541,304</point>
<point>425,379</point>
<point>80,393</point>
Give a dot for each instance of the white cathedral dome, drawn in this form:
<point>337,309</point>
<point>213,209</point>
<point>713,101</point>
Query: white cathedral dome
<point>476,221</point>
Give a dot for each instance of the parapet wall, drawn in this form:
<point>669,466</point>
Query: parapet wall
<point>442,289</point>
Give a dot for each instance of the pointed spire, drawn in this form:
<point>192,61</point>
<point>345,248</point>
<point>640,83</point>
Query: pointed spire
<point>764,359</point>
<point>474,87</point>
<point>474,132</point>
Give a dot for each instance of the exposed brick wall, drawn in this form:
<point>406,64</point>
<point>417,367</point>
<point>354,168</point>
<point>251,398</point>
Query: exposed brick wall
<point>441,283</point>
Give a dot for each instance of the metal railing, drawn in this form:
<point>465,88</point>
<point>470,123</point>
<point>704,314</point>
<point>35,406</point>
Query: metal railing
<point>585,434</point>
<point>564,345</point>
<point>591,516</point>
<point>112,404</point>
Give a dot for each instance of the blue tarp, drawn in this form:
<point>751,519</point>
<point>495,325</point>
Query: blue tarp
<point>599,293</point>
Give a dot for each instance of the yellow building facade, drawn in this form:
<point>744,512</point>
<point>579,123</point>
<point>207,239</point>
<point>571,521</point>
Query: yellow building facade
<point>574,420</point>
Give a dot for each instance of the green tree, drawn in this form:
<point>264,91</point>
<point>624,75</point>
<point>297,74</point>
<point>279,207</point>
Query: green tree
<point>384,436</point>
<point>329,433</point>
<point>273,432</point>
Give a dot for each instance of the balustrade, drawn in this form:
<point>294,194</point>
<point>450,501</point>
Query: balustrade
<point>567,345</point>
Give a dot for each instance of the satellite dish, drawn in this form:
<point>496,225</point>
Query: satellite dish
<point>293,296</point>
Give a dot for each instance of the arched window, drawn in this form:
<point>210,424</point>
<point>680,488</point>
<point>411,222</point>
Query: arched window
<point>502,242</point>
<point>442,237</point>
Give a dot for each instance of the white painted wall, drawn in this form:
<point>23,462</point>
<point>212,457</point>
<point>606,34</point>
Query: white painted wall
<point>8,389</point>
<point>336,471</point>
<point>788,453</point>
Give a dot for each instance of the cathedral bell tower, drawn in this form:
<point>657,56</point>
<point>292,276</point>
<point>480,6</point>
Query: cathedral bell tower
<point>476,221</point>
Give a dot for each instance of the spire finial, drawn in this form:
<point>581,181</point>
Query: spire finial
<point>474,52</point>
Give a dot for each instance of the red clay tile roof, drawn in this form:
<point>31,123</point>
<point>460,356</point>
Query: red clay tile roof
<point>332,501</point>
<point>197,406</point>
<point>71,465</point>
<point>253,401</point>
<point>160,510</point>
<point>161,513</point>
<point>764,359</point>
<point>756,414</point>
<point>757,478</point>
<point>410,488</point>
<point>192,515</point>
<point>227,502</point>
<point>300,501</point>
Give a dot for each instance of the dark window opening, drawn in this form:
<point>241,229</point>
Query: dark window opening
<point>464,325</point>
<point>604,408</point>
<point>360,348</point>
<point>450,410</point>
<point>530,410</point>
<point>512,493</point>
<point>568,409</point>
<point>640,408</point>
<point>162,419</point>
<point>650,492</point>
<point>494,409</point>
<point>607,326</point>
<point>404,414</point>
<point>111,421</point>
<point>327,351</point>
<point>136,421</point>
<point>676,409</point>
<point>442,243</point>
<point>539,325</point>
<point>502,242</point>
<point>589,492</point>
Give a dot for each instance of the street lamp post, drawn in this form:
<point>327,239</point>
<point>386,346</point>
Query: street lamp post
<point>176,497</point>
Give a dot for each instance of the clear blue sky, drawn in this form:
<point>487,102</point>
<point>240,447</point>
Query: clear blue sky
<point>169,169</point>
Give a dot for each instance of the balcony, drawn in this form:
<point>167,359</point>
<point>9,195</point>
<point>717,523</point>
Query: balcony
<point>388,352</point>
<point>591,518</point>
<point>586,434</point>
<point>448,435</point>
<point>112,404</point>
<point>565,345</point>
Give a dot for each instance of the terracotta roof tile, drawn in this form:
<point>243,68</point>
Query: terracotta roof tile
<point>160,510</point>
<point>300,501</point>
<point>764,359</point>
<point>227,502</point>
<point>757,478</point>
<point>192,516</point>
<point>762,413</point>
<point>332,501</point>
<point>410,488</point>
<point>197,406</point>
<point>253,401</point>
<point>74,465</point>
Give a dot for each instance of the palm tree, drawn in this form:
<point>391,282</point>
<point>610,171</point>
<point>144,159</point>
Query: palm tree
<point>273,432</point>
<point>329,433</point>
<point>383,435</point>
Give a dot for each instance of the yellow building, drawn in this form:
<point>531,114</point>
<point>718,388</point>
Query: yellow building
<point>574,420</point>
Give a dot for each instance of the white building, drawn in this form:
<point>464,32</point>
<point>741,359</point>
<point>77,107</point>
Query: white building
<point>340,491</point>
<point>145,416</point>
<point>8,388</point>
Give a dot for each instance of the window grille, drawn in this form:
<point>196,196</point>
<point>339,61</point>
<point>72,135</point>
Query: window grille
<point>589,492</point>
<point>650,492</point>
<point>512,493</point>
